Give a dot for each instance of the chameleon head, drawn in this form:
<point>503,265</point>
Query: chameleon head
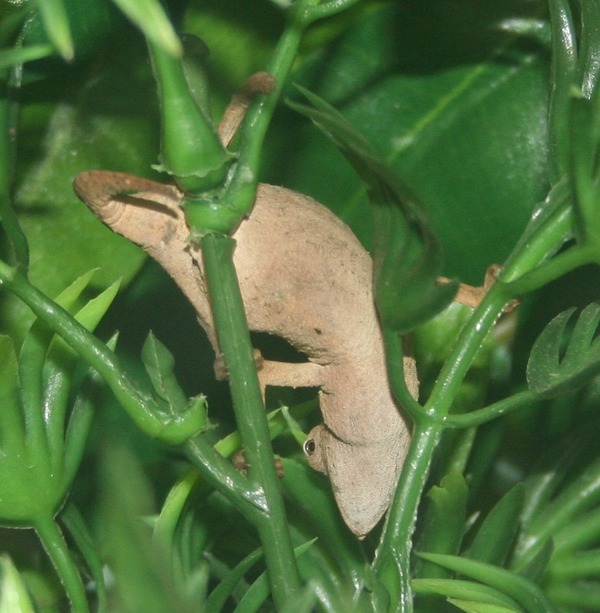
<point>363,476</point>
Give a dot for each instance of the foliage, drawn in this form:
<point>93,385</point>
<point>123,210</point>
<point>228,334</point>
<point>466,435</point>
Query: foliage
<point>450,138</point>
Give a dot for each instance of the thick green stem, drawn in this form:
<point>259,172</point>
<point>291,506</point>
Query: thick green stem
<point>57,550</point>
<point>191,149</point>
<point>251,417</point>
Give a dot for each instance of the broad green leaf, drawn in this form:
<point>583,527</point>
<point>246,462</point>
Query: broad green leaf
<point>76,29</point>
<point>457,104</point>
<point>106,120</point>
<point>554,369</point>
<point>495,537</point>
<point>11,419</point>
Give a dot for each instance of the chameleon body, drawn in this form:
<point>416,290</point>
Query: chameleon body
<point>306,278</point>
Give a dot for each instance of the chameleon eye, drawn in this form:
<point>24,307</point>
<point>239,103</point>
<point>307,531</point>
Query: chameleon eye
<point>310,446</point>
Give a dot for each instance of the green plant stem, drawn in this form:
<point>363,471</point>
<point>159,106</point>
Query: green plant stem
<point>142,409</point>
<point>173,429</point>
<point>492,411</point>
<point>56,547</point>
<point>564,65</point>
<point>251,417</point>
<point>559,266</point>
<point>7,214</point>
<point>74,523</point>
<point>392,562</point>
<point>240,192</point>
<point>392,558</point>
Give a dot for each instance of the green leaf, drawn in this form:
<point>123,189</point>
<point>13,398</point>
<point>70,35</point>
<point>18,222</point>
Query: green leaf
<point>478,607</point>
<point>465,590</point>
<point>218,597</point>
<point>160,366</point>
<point>13,592</point>
<point>537,566</point>
<point>552,369</point>
<point>259,591</point>
<point>495,537</point>
<point>443,522</point>
<point>12,432</point>
<point>406,259</point>
<point>524,592</point>
<point>20,55</point>
<point>455,102</point>
<point>56,24</point>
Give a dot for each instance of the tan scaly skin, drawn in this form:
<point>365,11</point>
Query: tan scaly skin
<point>306,278</point>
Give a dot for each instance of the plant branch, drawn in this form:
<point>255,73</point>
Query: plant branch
<point>251,417</point>
<point>56,547</point>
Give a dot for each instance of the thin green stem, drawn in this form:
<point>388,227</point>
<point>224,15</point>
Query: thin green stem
<point>56,547</point>
<point>392,558</point>
<point>235,345</point>
<point>492,411</point>
<point>392,562</point>
<point>557,267</point>
<point>241,191</point>
<point>74,523</point>
<point>564,66</point>
<point>394,354</point>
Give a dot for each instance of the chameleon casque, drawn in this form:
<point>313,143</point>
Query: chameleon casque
<point>306,278</point>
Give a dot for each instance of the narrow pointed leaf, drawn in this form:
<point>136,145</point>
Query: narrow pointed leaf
<point>524,592</point>
<point>160,366</point>
<point>479,607</point>
<point>259,591</point>
<point>56,23</point>
<point>495,537</point>
<point>218,597</point>
<point>465,590</point>
<point>151,18</point>
<point>443,522</point>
